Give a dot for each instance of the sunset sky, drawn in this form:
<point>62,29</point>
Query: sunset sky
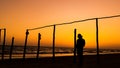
<point>18,15</point>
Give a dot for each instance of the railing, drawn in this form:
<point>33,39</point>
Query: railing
<point>54,29</point>
<point>3,46</point>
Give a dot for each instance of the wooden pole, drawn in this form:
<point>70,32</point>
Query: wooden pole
<point>3,47</point>
<point>39,37</point>
<point>97,43</point>
<point>11,48</point>
<point>0,36</point>
<point>25,44</point>
<point>54,43</point>
<point>74,45</point>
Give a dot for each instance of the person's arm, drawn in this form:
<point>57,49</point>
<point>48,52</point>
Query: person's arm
<point>84,42</point>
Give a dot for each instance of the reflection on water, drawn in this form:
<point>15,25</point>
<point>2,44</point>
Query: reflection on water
<point>14,56</point>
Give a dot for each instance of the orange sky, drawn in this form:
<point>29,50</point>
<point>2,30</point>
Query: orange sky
<point>18,15</point>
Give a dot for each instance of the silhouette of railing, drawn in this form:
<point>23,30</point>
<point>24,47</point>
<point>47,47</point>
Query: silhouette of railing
<point>54,25</point>
<point>54,29</point>
<point>3,46</point>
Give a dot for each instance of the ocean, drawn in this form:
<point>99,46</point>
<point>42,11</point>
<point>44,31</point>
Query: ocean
<point>31,51</point>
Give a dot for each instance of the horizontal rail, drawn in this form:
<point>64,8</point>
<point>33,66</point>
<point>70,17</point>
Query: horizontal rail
<point>109,17</point>
<point>40,27</point>
<point>75,22</point>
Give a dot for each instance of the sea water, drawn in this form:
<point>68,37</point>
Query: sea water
<point>47,52</point>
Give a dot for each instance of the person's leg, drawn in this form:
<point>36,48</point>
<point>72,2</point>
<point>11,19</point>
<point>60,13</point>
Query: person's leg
<point>81,57</point>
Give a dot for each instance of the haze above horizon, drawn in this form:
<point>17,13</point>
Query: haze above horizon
<point>17,16</point>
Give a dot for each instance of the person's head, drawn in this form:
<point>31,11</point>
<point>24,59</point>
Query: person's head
<point>79,36</point>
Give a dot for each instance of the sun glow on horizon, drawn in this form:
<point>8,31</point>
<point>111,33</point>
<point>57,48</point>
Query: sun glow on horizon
<point>17,16</point>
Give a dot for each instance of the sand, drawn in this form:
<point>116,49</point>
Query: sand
<point>90,61</point>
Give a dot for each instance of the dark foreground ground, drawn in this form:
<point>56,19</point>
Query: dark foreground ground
<point>106,61</point>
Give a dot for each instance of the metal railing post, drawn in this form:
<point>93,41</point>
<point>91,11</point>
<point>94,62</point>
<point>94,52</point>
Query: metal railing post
<point>11,48</point>
<point>54,43</point>
<point>25,44</point>
<point>97,43</point>
<point>39,37</point>
<point>74,45</point>
<point>3,46</point>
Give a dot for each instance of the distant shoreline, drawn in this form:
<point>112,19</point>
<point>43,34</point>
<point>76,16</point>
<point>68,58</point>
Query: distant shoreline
<point>31,52</point>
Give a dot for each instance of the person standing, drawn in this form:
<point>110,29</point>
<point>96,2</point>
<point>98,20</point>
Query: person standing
<point>79,46</point>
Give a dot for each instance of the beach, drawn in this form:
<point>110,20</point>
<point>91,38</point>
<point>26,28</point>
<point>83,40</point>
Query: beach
<point>90,61</point>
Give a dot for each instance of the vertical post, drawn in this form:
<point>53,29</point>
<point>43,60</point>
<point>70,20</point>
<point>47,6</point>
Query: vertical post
<point>3,47</point>
<point>0,40</point>
<point>74,45</point>
<point>25,44</point>
<point>11,48</point>
<point>97,43</point>
<point>0,36</point>
<point>39,37</point>
<point>54,43</point>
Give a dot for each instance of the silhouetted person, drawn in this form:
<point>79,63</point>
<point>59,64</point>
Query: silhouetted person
<point>79,46</point>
